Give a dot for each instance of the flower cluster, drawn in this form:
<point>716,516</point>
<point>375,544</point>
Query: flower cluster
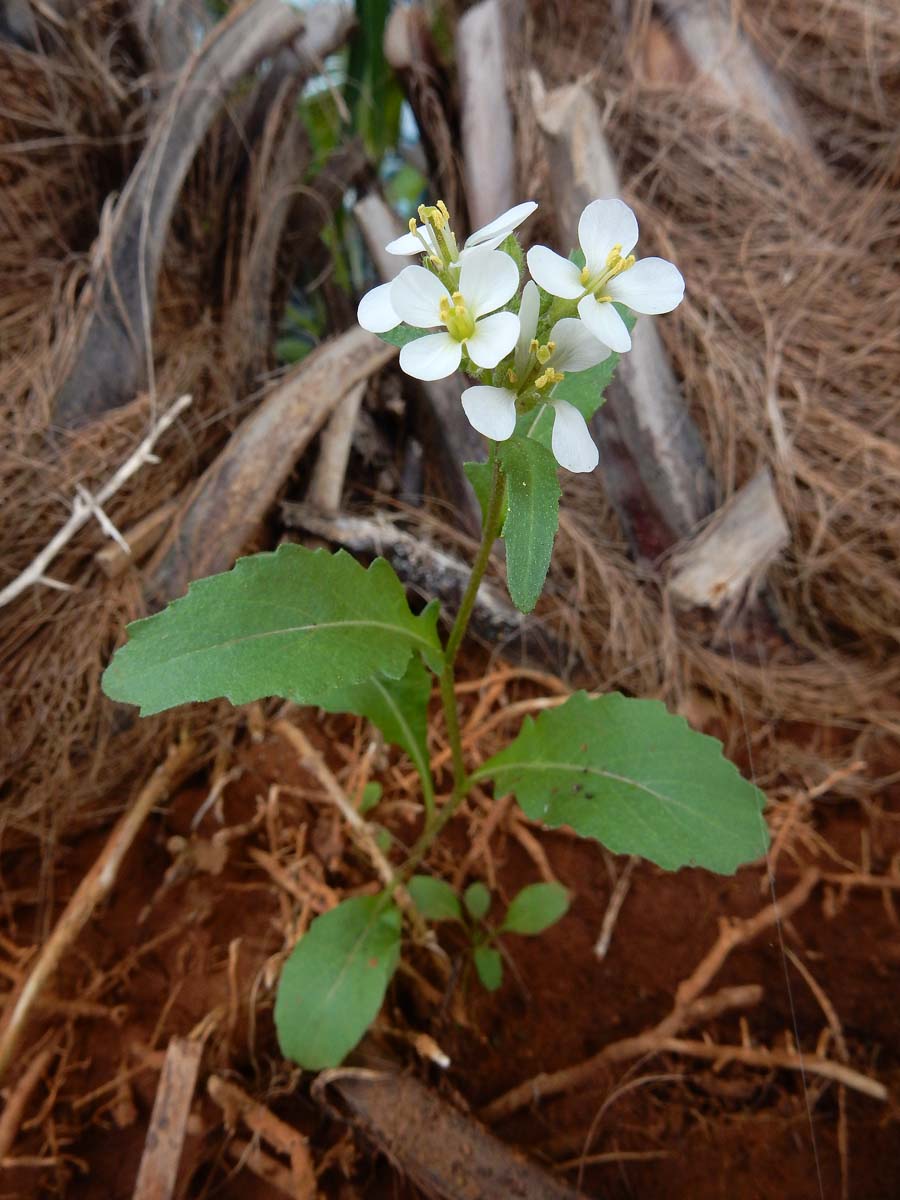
<point>565,319</point>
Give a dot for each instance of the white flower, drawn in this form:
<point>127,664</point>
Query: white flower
<point>427,237</point>
<point>487,279</point>
<point>607,232</point>
<point>375,311</point>
<point>571,347</point>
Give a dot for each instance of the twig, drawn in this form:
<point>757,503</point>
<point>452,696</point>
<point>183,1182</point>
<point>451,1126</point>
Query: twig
<point>360,830</point>
<point>235,1103</point>
<point>616,900</point>
<point>17,1100</point>
<point>168,1121</point>
<point>690,1006</point>
<point>786,1060</point>
<point>95,885</point>
<point>85,506</point>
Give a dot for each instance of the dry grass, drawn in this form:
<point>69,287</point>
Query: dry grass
<point>788,345</point>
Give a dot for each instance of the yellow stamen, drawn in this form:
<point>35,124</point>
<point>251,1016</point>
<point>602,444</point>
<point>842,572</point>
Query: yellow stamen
<point>413,225</point>
<point>443,207</point>
<point>511,376</point>
<point>548,378</point>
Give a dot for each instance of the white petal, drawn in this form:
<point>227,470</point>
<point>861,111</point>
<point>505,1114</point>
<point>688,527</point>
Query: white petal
<point>487,279</point>
<point>492,411</point>
<point>650,286</point>
<point>493,339</point>
<point>416,295</point>
<point>434,356</point>
<point>501,226</point>
<point>605,324</point>
<point>375,312</point>
<point>573,446</point>
<point>603,225</point>
<point>407,244</point>
<point>576,348</point>
<point>529,310</point>
<point>554,273</point>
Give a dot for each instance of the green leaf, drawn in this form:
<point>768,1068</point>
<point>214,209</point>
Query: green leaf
<point>434,898</point>
<point>479,474</point>
<point>372,90</point>
<point>332,986</point>
<point>477,900</point>
<point>371,796</point>
<point>489,966</point>
<point>296,623</point>
<point>399,707</point>
<point>636,778</point>
<point>536,908</point>
<point>402,335</point>
<point>533,496</point>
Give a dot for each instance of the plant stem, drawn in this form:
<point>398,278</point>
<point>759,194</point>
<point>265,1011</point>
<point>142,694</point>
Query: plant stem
<point>493,521</point>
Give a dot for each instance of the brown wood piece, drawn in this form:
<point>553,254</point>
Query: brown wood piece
<point>111,364</point>
<point>141,537</point>
<point>158,1170</point>
<point>443,1151</point>
<point>233,495</point>
<point>488,144</point>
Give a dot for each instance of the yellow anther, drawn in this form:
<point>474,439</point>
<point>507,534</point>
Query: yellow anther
<point>444,309</point>
<point>436,262</point>
<point>511,376</point>
<point>548,378</point>
<point>585,276</point>
<point>543,354</point>
<point>458,298</point>
<point>551,346</point>
<point>443,207</point>
<point>614,255</point>
<point>413,226</point>
<point>533,348</point>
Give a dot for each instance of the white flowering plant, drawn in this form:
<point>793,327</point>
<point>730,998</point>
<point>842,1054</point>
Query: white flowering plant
<point>319,629</point>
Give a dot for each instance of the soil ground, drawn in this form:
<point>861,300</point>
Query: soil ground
<point>189,941</point>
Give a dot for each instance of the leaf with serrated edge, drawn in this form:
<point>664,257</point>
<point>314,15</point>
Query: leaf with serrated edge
<point>295,623</point>
<point>635,777</point>
<point>334,981</point>
<point>536,908</point>
<point>399,707</point>
<point>434,898</point>
<point>531,522</point>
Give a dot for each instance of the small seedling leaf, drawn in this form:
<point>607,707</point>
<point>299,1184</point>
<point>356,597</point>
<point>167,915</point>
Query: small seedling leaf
<point>477,900</point>
<point>334,982</point>
<point>434,898</point>
<point>489,966</point>
<point>536,908</point>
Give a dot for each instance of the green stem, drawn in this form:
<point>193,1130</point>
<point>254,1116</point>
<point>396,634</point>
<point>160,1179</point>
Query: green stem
<point>493,521</point>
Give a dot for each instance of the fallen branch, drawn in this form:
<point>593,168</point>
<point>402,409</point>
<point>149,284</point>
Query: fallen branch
<point>488,145</point>
<point>327,483</point>
<point>443,1151</point>
<point>158,1171</point>
<point>231,498</point>
<point>85,506</point>
<point>114,358</point>
<point>93,888</point>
